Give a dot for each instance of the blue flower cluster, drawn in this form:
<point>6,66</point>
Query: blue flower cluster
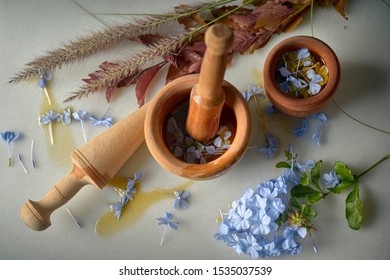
<point>126,195</point>
<point>252,225</point>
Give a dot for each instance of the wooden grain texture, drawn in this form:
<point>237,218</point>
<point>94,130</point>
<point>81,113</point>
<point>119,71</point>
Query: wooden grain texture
<point>208,97</point>
<point>95,163</point>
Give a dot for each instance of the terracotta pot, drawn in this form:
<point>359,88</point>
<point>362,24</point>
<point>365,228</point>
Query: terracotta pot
<point>301,107</point>
<point>166,101</point>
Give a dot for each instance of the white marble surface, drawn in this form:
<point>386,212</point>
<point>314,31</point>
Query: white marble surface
<point>29,28</point>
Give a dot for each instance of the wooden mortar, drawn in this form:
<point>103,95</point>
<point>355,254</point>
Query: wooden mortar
<point>207,94</point>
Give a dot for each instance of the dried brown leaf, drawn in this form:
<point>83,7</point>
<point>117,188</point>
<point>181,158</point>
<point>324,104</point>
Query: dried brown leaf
<point>174,73</point>
<point>243,21</point>
<point>339,6</point>
<point>271,15</point>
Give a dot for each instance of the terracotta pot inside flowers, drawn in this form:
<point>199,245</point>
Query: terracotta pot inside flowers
<point>313,102</point>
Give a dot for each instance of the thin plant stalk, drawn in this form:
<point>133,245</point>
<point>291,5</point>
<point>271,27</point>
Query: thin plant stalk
<point>134,64</point>
<point>84,134</point>
<point>21,163</point>
<point>9,154</point>
<point>32,154</point>
<point>162,238</point>
<point>46,93</point>
<point>51,133</point>
<point>373,166</point>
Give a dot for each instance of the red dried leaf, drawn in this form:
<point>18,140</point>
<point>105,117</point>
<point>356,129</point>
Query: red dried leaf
<point>174,73</point>
<point>271,14</point>
<point>242,40</point>
<point>143,82</point>
<point>243,21</point>
<point>262,37</point>
<point>110,92</point>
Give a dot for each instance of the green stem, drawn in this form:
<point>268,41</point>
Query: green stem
<point>373,166</point>
<point>356,120</point>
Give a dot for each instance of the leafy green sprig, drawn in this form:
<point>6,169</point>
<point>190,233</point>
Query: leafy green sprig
<point>310,190</point>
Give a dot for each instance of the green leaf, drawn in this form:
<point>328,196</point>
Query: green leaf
<point>283,164</point>
<point>305,179</point>
<point>354,209</point>
<point>294,202</point>
<point>343,171</point>
<point>345,175</point>
<point>314,198</point>
<point>308,212</point>
<point>315,173</point>
<point>301,191</point>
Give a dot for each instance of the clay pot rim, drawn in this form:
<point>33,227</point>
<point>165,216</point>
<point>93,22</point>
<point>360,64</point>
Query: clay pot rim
<point>304,106</point>
<point>156,143</point>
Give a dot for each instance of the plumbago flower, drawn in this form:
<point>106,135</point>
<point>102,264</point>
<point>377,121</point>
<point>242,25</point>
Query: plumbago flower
<point>301,74</point>
<point>82,117</point>
<point>166,220</point>
<point>44,77</point>
<point>9,136</point>
<point>321,118</point>
<point>272,219</point>
<point>48,119</point>
<point>126,195</point>
<point>192,151</point>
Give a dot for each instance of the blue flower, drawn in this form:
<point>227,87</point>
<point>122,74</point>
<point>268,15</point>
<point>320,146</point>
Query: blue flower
<point>316,136</point>
<point>126,195</point>
<point>270,109</point>
<point>322,117</point>
<point>302,129</point>
<point>241,217</point>
<point>44,77</point>
<point>181,199</point>
<point>82,117</point>
<point>303,53</point>
<point>314,87</point>
<point>104,121</point>
<point>272,147</point>
<point>252,248</point>
<point>253,90</point>
<point>9,136</point>
<point>261,224</point>
<point>66,117</point>
<point>331,179</point>
<point>117,208</point>
<point>166,220</point>
<point>48,119</point>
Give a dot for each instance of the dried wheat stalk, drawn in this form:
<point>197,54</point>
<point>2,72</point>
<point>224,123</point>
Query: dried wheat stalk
<point>126,68</point>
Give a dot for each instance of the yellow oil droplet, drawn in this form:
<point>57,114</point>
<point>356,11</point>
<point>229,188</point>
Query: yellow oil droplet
<point>108,225</point>
<point>257,76</point>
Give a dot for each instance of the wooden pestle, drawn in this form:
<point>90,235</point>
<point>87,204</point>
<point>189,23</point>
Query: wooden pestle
<point>96,162</point>
<point>207,97</point>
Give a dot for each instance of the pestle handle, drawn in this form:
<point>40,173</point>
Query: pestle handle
<point>36,215</point>
<point>207,97</point>
<point>96,162</point>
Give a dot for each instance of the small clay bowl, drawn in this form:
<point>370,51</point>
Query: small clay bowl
<point>166,101</point>
<point>301,107</point>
